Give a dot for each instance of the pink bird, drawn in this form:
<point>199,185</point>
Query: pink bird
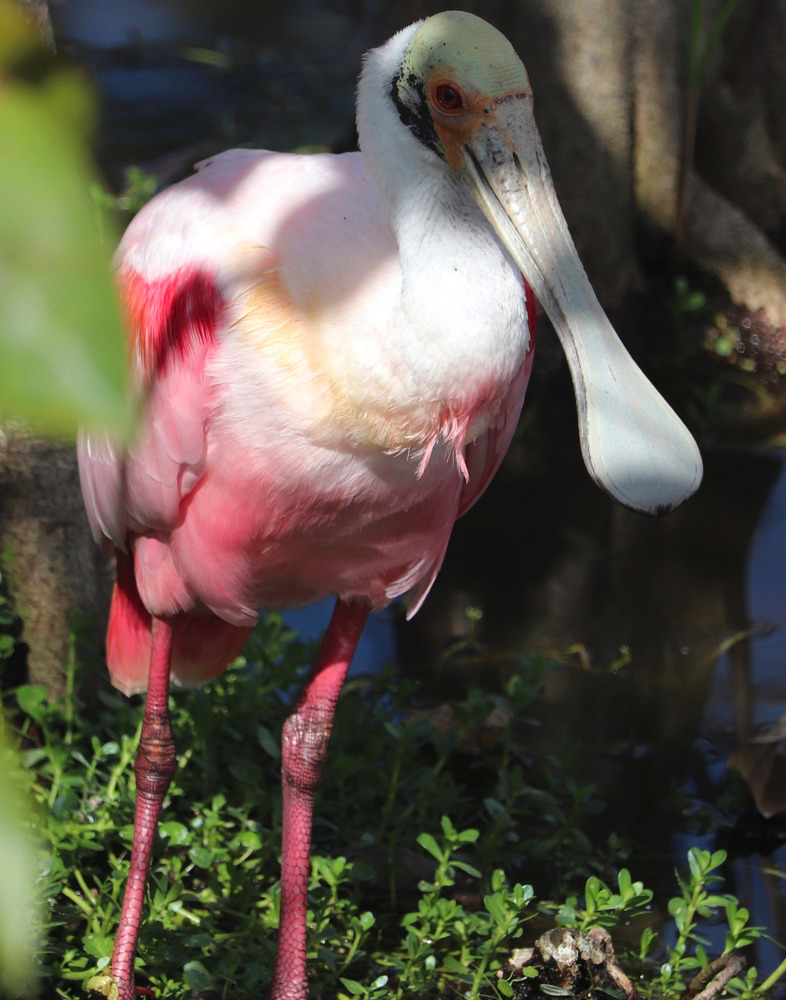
<point>331,354</point>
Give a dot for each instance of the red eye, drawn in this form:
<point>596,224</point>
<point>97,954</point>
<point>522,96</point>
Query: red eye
<point>448,98</point>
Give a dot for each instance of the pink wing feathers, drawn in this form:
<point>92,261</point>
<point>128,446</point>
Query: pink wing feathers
<point>172,324</point>
<point>137,493</point>
<point>171,328</point>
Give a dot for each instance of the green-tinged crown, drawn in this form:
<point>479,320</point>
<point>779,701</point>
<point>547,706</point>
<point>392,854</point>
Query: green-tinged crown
<point>466,47</point>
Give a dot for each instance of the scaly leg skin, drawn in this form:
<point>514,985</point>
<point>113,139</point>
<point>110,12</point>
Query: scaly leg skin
<point>304,746</point>
<point>154,767</point>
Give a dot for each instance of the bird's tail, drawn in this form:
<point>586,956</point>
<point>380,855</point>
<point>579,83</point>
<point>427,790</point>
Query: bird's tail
<point>203,645</point>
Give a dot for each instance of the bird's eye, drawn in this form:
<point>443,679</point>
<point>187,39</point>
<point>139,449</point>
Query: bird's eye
<point>448,98</point>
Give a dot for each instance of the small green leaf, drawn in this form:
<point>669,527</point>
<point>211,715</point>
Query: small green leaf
<point>99,946</point>
<point>494,808</point>
<point>464,867</point>
<point>197,977</point>
<point>428,843</point>
<point>176,833</point>
<point>32,699</point>
<point>355,988</point>
<point>697,862</point>
<point>649,938</point>
<point>447,828</point>
<point>268,743</point>
<point>456,967</point>
<point>201,856</point>
<point>495,907</point>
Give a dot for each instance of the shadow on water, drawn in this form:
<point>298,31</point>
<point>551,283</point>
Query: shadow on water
<point>547,558</point>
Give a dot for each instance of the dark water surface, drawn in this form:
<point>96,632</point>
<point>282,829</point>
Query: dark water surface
<point>697,598</point>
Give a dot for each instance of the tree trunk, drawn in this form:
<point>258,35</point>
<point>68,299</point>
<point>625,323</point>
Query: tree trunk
<point>50,563</point>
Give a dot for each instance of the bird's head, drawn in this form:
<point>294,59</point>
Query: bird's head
<point>456,84</point>
<point>457,80</point>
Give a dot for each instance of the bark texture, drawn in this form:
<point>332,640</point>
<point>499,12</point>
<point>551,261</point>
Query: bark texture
<point>50,563</point>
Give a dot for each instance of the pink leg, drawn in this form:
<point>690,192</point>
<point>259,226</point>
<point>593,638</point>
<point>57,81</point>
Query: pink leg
<point>304,749</point>
<point>155,765</point>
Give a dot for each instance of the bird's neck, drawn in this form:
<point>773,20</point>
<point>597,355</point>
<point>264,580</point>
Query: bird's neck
<point>459,284</point>
<point>458,333</point>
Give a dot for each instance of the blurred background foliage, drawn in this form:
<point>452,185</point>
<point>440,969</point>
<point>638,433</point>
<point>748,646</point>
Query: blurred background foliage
<point>60,341</point>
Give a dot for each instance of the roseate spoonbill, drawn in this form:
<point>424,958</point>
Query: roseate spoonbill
<point>332,353</point>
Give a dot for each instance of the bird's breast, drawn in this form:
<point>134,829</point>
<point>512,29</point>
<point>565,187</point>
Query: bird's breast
<point>382,369</point>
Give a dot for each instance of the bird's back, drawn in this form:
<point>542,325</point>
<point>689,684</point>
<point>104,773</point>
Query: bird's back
<point>317,216</point>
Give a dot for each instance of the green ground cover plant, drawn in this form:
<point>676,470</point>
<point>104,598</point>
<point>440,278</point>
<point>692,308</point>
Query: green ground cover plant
<point>425,841</point>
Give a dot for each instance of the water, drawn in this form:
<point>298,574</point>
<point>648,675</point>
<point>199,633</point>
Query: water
<point>767,602</point>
